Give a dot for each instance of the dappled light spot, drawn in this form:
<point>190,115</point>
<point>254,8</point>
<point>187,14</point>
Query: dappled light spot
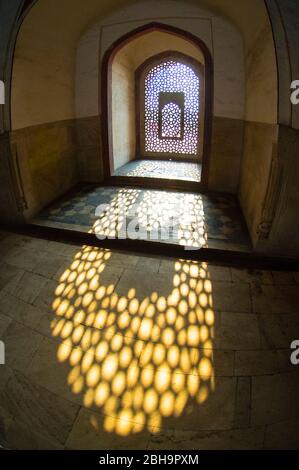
<point>168,337</point>
<point>75,356</point>
<point>173,356</point>
<point>151,401</point>
<point>78,334</point>
<point>63,352</point>
<point>193,384</point>
<point>162,379</point>
<point>183,307</point>
<point>78,385</point>
<point>204,333</point>
<point>209,317</point>
<point>87,361</point>
<point>147,377</point>
<point>193,335</point>
<point>88,398</point>
<point>202,394</point>
<point>205,368</point>
<point>93,376</point>
<point>102,393</point>
<point>122,304</point>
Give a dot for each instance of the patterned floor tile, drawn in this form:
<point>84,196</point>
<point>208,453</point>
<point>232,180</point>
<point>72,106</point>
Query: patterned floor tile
<point>190,219</point>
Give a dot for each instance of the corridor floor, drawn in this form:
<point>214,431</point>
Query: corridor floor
<point>165,169</point>
<point>108,350</point>
<point>190,219</point>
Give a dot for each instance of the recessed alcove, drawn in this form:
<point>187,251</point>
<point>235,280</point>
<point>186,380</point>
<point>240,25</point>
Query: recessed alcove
<point>157,105</point>
<point>149,258</point>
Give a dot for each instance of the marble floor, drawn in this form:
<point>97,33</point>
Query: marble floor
<point>109,350</point>
<point>164,169</point>
<point>189,219</point>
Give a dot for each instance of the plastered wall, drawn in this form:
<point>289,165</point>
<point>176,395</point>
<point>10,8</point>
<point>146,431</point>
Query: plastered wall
<point>222,38</point>
<point>123,110</point>
<point>124,66</point>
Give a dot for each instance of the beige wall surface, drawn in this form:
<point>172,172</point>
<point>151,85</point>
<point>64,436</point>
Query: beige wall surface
<point>222,38</point>
<point>260,140</point>
<point>284,235</point>
<point>124,66</point>
<point>123,110</point>
<point>155,42</point>
<point>261,78</point>
<point>48,162</point>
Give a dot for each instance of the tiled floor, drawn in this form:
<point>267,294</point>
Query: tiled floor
<point>161,169</point>
<point>188,219</point>
<point>107,350</point>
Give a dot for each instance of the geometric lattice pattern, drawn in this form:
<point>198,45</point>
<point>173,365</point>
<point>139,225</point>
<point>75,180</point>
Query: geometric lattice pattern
<point>171,121</point>
<point>172,77</point>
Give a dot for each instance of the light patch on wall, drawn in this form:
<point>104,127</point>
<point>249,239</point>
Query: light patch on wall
<point>2,353</point>
<point>2,92</point>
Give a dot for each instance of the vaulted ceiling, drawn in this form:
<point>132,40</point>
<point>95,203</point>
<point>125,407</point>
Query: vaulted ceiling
<point>246,15</point>
<point>45,53</point>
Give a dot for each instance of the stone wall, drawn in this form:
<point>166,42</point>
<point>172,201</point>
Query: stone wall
<point>88,141</point>
<point>283,237</point>
<point>123,110</point>
<point>11,204</point>
<point>260,136</point>
<point>47,163</point>
<point>226,154</point>
<point>280,211</point>
<point>260,141</point>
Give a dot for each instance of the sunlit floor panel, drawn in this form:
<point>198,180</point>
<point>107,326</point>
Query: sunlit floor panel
<point>189,219</point>
<point>161,169</point>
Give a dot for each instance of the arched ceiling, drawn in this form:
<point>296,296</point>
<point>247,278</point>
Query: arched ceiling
<point>45,53</point>
<point>246,15</point>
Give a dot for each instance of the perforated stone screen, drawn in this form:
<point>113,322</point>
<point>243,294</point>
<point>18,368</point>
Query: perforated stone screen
<point>172,129</point>
<point>171,117</point>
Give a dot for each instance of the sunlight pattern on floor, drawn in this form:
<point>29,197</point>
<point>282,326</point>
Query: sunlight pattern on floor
<point>179,218</point>
<point>140,360</point>
<point>196,220</point>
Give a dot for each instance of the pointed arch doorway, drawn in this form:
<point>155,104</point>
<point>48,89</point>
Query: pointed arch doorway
<point>172,106</point>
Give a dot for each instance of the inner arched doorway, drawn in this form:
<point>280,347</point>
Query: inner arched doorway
<point>168,100</point>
